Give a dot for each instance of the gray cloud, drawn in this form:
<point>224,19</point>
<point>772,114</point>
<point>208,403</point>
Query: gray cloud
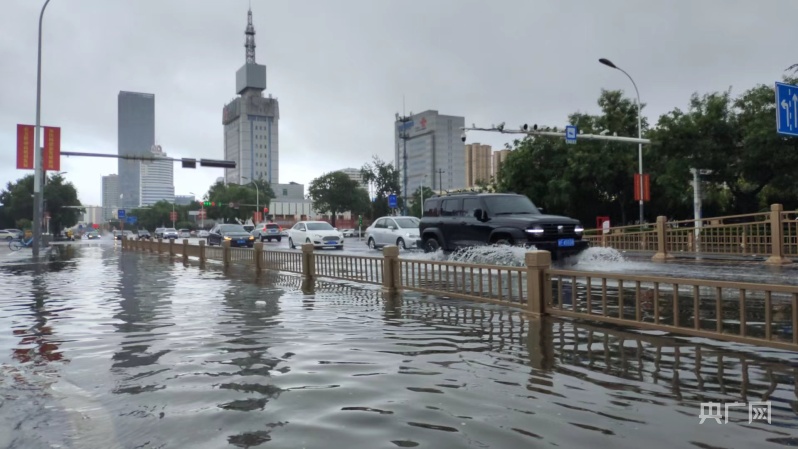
<point>341,68</point>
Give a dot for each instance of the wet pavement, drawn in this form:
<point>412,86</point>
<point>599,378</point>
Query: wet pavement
<point>105,349</point>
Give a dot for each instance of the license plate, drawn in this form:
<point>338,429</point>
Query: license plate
<point>565,242</point>
<point>240,242</point>
<point>332,243</point>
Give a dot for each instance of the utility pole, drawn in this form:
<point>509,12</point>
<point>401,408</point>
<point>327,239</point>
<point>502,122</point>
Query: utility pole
<point>405,136</point>
<point>38,174</point>
<point>440,180</point>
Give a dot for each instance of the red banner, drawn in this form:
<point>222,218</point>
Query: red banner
<point>25,147</point>
<point>52,148</point>
<point>646,187</point>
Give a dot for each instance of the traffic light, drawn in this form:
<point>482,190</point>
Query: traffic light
<point>265,210</point>
<point>207,203</point>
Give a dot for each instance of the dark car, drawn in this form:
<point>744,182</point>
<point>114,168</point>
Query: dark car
<point>463,220</point>
<point>93,235</point>
<point>234,233</point>
<point>144,234</point>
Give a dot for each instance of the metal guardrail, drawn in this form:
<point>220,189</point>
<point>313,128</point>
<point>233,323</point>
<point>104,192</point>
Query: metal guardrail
<point>750,313</point>
<point>773,234</point>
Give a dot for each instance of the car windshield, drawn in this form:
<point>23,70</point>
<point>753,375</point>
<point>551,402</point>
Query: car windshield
<point>272,226</point>
<point>231,228</point>
<point>407,222</point>
<point>319,227</point>
<point>170,230</point>
<point>510,205</point>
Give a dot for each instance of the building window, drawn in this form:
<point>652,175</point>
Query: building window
<point>285,192</point>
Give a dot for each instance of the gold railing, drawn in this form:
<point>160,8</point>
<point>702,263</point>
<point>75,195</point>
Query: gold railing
<point>488,283</point>
<point>743,312</point>
<point>758,314</point>
<point>363,269</point>
<point>772,234</point>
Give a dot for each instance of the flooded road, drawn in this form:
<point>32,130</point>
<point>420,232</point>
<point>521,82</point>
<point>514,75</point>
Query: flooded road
<point>107,350</point>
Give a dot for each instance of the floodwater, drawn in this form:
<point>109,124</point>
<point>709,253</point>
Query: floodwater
<point>107,349</point>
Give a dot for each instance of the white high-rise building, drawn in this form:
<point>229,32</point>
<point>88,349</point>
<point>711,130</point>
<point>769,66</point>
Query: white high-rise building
<point>157,179</point>
<point>355,175</point>
<point>435,151</point>
<point>251,123</point>
<point>110,192</point>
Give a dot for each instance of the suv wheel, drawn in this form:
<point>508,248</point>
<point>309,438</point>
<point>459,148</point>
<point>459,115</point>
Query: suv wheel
<point>372,244</point>
<point>431,245</point>
<point>505,241</point>
<point>400,242</point>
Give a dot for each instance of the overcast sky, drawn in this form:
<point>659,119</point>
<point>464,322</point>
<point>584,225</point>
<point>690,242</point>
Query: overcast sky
<point>341,68</point>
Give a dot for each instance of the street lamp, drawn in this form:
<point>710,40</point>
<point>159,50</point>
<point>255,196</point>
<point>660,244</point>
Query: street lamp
<point>405,136</point>
<point>423,181</point>
<point>38,174</point>
<point>257,193</point>
<point>609,63</point>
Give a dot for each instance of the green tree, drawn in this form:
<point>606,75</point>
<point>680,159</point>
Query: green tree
<point>61,201</point>
<point>336,192</point>
<point>385,180</point>
<point>415,200</point>
<point>243,198</point>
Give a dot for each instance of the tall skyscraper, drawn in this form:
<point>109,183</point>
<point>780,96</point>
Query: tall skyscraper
<point>355,175</point>
<point>434,150</point>
<point>157,179</point>
<point>251,122</point>
<point>136,136</point>
<point>110,193</point>
<point>498,159</point>
<point>477,158</point>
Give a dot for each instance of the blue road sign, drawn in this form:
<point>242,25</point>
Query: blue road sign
<point>787,109</point>
<point>392,201</point>
<point>132,219</point>
<point>120,214</point>
<point>570,134</point>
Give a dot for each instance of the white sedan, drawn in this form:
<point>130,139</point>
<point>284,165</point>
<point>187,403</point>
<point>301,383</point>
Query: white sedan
<point>320,233</point>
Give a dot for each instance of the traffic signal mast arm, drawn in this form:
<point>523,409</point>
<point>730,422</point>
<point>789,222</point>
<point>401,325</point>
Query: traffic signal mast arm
<point>535,132</point>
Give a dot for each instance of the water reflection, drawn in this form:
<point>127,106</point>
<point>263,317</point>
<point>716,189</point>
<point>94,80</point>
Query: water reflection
<point>177,356</point>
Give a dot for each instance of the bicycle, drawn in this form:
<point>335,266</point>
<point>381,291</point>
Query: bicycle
<point>18,244</point>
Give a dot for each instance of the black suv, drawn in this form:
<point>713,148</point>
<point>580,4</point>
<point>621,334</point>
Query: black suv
<point>462,220</point>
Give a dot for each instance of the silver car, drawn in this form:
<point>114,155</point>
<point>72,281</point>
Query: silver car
<point>400,231</point>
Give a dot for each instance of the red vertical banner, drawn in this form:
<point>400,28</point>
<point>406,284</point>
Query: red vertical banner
<point>52,148</point>
<point>25,147</point>
<point>646,187</point>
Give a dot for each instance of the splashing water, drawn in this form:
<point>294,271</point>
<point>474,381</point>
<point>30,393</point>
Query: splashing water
<point>513,256</point>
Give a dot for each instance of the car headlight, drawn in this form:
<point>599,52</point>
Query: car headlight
<point>537,230</point>
<point>252,237</point>
<point>317,236</point>
<point>226,238</point>
<point>579,229</point>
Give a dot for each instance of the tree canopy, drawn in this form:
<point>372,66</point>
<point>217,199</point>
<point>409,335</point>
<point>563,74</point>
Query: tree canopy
<point>17,203</point>
<point>385,181</point>
<point>243,198</point>
<point>336,192</point>
<point>746,165</point>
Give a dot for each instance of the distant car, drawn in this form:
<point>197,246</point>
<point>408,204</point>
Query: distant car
<point>158,233</point>
<point>184,233</point>
<point>399,231</point>
<point>169,233</point>
<point>127,234</point>
<point>348,232</point>
<point>93,235</point>
<point>7,235</point>
<point>17,233</point>
<point>144,234</point>
<point>202,234</point>
<point>234,233</point>
<point>320,233</point>
<point>268,231</point>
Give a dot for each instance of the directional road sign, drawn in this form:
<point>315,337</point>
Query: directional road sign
<point>132,219</point>
<point>392,201</point>
<point>120,213</point>
<point>570,134</point>
<point>787,109</point>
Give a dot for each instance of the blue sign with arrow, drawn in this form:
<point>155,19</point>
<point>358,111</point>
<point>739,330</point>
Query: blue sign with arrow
<point>132,219</point>
<point>570,134</point>
<point>392,201</point>
<point>787,109</point>
<point>120,214</point>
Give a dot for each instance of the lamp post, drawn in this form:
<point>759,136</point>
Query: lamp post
<point>609,63</point>
<point>405,136</point>
<point>38,174</point>
<point>423,181</point>
<point>257,193</point>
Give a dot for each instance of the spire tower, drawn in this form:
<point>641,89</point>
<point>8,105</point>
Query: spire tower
<point>250,42</point>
